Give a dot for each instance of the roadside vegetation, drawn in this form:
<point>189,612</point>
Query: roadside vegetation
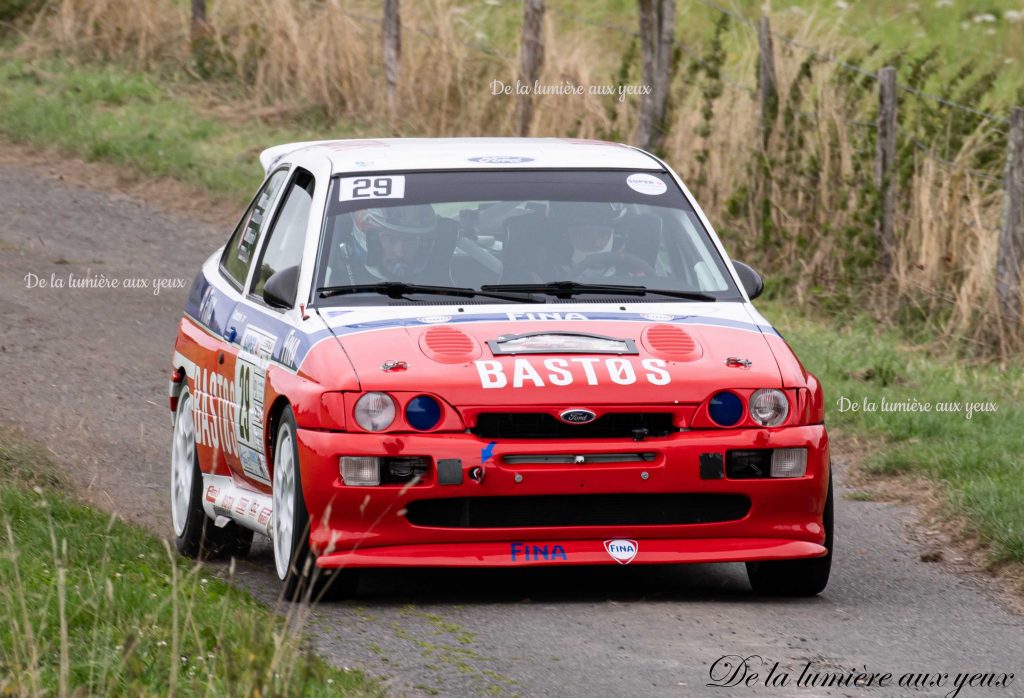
<point>877,390</point>
<point>106,114</point>
<point>92,606</point>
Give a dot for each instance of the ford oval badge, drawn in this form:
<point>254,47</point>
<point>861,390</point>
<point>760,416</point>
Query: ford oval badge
<point>577,416</point>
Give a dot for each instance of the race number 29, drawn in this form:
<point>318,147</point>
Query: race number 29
<point>244,402</point>
<point>370,187</point>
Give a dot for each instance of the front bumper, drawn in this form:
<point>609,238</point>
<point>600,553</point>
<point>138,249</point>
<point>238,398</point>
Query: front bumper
<point>368,526</point>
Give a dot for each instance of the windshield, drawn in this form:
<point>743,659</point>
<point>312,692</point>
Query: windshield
<point>473,229</point>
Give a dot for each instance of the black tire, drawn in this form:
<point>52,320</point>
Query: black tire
<point>303,580</point>
<point>797,577</point>
<point>200,538</point>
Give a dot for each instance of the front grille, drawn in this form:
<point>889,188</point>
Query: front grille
<point>577,510</point>
<point>538,425</point>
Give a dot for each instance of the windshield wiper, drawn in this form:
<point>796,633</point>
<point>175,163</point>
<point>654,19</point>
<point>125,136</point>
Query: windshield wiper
<point>568,289</point>
<point>399,289</point>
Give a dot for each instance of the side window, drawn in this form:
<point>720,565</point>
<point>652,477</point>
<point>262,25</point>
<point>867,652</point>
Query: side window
<point>287,236</point>
<point>239,251</point>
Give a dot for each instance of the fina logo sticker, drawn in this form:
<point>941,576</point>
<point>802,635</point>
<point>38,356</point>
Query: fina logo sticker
<point>622,551</point>
<point>500,159</point>
<point>646,184</point>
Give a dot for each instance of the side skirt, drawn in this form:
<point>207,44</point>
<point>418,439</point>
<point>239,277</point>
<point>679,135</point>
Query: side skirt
<point>224,501</point>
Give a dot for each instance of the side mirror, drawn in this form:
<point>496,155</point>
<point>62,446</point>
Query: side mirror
<point>281,287</point>
<point>752,282</point>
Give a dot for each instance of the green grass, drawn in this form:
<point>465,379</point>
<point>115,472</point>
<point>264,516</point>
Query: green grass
<point>130,119</point>
<point>92,604</point>
<point>978,458</point>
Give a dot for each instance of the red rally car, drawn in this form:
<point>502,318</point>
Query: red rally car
<point>490,353</point>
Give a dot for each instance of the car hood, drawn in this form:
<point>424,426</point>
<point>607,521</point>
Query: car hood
<point>550,355</point>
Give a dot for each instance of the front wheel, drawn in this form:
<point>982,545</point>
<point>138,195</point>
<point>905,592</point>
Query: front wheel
<point>195,534</point>
<point>796,577</point>
<point>293,560</point>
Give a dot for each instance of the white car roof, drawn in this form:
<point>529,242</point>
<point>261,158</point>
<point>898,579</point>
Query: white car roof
<point>385,154</point>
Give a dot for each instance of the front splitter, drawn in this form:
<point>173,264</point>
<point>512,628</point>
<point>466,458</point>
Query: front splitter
<point>657,551</point>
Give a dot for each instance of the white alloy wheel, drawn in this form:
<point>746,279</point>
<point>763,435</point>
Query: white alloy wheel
<point>283,499</point>
<point>183,454</point>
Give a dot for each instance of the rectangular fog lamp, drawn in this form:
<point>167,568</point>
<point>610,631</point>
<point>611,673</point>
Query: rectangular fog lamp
<point>360,470</point>
<point>789,462</point>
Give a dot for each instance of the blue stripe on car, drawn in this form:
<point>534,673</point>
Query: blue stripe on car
<point>220,307</point>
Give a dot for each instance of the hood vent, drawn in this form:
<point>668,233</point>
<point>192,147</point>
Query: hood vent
<point>671,342</point>
<point>449,345</point>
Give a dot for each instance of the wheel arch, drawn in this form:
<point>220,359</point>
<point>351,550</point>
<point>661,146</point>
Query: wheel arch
<point>277,408</point>
<point>178,382</point>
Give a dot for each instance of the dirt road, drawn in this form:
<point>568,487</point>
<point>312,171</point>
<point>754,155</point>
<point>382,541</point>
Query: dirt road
<point>85,373</point>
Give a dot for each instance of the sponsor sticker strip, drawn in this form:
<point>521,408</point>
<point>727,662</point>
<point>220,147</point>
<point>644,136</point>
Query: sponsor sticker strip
<point>257,348</point>
<point>622,550</point>
<point>250,509</point>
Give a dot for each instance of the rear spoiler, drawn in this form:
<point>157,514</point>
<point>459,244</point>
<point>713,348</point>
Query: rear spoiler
<point>271,156</point>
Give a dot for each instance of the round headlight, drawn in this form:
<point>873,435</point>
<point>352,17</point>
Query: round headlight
<point>375,411</point>
<point>726,408</point>
<point>423,412</point>
<point>769,407</point>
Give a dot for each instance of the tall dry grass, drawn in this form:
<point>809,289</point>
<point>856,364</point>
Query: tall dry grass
<point>90,605</point>
<point>802,208</point>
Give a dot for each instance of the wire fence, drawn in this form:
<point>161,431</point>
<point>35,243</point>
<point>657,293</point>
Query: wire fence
<point>573,17</point>
<point>474,45</point>
<point>852,67</point>
<point>884,133</point>
<point>730,80</point>
<point>953,165</point>
<point>734,83</point>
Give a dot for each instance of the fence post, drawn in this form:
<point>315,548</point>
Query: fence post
<point>199,26</point>
<point>885,163</point>
<point>392,31</point>
<point>657,38</point>
<point>767,81</point>
<point>199,36</point>
<point>1011,230</point>
<point>531,57</point>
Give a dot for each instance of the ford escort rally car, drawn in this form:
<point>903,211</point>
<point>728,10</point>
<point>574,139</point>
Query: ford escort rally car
<point>490,353</point>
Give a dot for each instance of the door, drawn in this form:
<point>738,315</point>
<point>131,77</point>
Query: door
<point>221,312</point>
<point>265,328</point>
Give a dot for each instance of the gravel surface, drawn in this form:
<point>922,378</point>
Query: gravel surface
<point>85,373</point>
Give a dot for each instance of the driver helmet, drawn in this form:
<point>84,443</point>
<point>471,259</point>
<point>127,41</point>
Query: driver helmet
<point>589,226</point>
<point>396,241</point>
